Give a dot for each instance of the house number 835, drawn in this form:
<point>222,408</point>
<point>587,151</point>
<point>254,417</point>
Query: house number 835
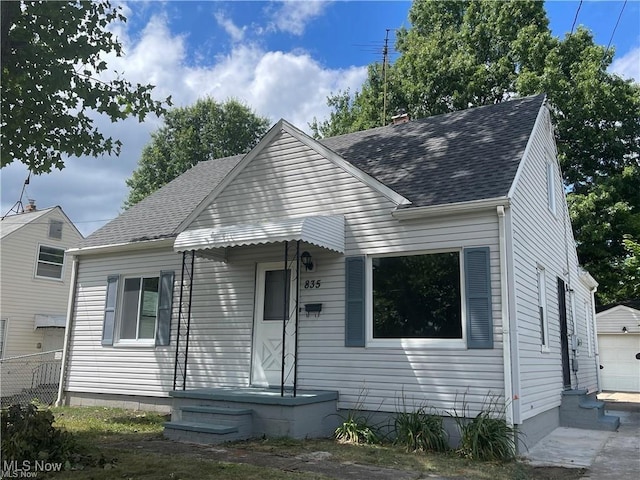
<point>312,284</point>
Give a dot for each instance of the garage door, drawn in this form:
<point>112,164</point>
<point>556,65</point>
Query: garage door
<point>621,372</point>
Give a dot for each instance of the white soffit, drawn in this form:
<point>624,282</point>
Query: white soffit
<point>323,231</point>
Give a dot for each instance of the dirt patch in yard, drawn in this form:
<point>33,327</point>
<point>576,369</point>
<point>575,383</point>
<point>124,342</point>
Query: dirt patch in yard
<point>317,462</point>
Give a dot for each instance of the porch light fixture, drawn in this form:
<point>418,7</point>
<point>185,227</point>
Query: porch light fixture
<point>306,260</point>
<point>624,330</point>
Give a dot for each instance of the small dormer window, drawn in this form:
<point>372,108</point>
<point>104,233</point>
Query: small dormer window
<point>55,229</point>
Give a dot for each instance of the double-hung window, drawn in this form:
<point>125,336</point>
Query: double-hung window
<point>50,262</point>
<point>138,309</point>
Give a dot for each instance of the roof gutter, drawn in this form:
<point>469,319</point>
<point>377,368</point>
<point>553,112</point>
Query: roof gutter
<point>122,247</point>
<point>450,208</point>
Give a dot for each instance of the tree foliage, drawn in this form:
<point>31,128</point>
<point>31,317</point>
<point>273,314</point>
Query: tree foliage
<point>53,82</point>
<point>460,54</point>
<point>204,131</point>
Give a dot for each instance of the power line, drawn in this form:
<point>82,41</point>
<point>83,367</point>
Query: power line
<point>575,19</point>
<point>614,30</point>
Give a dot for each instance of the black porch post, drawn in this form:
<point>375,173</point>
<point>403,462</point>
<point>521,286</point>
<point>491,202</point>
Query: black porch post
<point>285,312</point>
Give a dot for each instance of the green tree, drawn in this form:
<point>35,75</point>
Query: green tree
<point>52,57</point>
<point>459,54</point>
<point>204,131</point>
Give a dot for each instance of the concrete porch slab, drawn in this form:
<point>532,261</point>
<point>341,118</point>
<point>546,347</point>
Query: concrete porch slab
<point>257,395</point>
<point>567,447</point>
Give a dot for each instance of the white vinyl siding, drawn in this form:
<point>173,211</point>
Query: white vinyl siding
<point>288,178</point>
<point>540,237</point>
<point>121,369</point>
<point>25,295</point>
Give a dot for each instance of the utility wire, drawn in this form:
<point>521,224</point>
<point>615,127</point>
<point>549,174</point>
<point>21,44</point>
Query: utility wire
<point>614,30</point>
<point>575,19</point>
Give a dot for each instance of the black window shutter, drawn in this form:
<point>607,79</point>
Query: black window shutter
<point>477,276</point>
<point>165,307</point>
<point>355,301</point>
<point>110,303</point>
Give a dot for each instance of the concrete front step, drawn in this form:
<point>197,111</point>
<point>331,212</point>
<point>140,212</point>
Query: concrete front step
<point>205,433</point>
<point>580,410</point>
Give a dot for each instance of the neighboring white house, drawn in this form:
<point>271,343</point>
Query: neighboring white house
<point>444,271</point>
<point>619,343</point>
<point>34,279</point>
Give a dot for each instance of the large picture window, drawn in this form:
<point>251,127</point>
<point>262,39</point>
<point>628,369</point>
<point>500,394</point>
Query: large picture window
<point>139,308</point>
<point>50,262</point>
<point>417,296</point>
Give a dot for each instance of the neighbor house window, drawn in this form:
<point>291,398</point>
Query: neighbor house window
<point>542,309</point>
<point>139,308</point>
<point>3,327</point>
<point>417,297</point>
<point>55,229</point>
<point>50,262</point>
<point>551,187</point>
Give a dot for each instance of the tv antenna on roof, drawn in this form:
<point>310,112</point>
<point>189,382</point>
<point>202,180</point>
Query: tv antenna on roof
<point>18,207</point>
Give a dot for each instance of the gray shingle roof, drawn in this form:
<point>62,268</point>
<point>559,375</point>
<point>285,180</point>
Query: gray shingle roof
<point>158,215</point>
<point>456,157</point>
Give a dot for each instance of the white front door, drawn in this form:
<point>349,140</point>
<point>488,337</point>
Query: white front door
<point>268,325</point>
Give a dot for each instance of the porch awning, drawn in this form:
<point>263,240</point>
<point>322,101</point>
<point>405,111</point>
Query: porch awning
<point>43,321</point>
<point>326,231</point>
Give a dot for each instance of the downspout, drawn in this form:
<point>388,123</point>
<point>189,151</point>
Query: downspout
<point>594,329</point>
<point>506,333</point>
<point>67,330</point>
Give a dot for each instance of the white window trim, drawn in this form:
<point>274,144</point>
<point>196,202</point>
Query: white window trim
<point>440,343</point>
<point>133,342</point>
<point>541,283</point>
<point>62,270</point>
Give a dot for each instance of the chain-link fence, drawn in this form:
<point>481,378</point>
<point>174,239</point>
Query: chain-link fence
<point>27,378</point>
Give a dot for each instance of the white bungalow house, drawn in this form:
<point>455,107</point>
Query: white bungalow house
<point>619,346</point>
<point>34,286</point>
<point>429,262</point>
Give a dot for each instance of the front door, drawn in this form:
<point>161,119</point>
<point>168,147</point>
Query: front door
<point>273,303</point>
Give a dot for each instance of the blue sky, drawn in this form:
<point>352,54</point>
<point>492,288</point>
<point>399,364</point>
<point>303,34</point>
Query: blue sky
<point>282,58</point>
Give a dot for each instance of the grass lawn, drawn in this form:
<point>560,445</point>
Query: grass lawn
<point>124,444</point>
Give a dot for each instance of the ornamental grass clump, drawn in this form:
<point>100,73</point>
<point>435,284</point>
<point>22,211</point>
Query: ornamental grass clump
<point>487,436</point>
<point>420,431</point>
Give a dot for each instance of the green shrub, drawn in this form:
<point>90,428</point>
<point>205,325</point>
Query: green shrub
<point>419,430</point>
<point>356,429</point>
<point>28,435</point>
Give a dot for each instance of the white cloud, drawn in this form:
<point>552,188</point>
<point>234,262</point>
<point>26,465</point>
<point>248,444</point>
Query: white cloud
<point>291,85</point>
<point>236,33</point>
<point>292,16</point>
<point>628,66</point>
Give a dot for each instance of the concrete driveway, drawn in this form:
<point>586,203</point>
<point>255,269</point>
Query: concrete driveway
<point>606,455</point>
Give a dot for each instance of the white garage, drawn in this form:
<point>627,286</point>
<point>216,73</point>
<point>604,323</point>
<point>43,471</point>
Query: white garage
<point>619,345</point>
